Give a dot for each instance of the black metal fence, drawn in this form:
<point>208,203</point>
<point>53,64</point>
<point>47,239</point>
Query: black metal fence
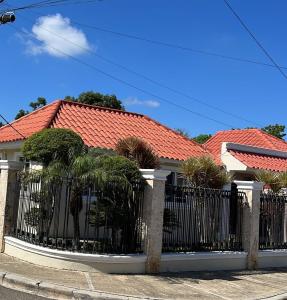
<point>198,219</point>
<point>69,214</point>
<point>273,221</point>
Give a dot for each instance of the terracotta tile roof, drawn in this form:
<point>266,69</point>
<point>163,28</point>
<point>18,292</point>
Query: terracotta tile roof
<point>259,161</point>
<point>251,137</point>
<point>29,124</point>
<point>102,127</point>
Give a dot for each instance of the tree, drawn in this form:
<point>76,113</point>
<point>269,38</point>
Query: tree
<point>139,151</point>
<point>202,138</point>
<point>182,132</point>
<point>203,172</point>
<point>115,206</point>
<point>39,103</point>
<point>21,113</point>
<point>64,156</point>
<point>118,207</point>
<point>34,105</point>
<point>97,99</point>
<point>48,145</point>
<point>276,181</point>
<point>276,130</point>
<point>95,152</point>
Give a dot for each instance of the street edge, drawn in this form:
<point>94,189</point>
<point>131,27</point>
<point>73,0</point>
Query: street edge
<point>54,291</point>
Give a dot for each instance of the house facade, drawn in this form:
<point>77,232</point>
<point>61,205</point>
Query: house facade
<point>99,127</point>
<point>241,152</point>
<point>244,152</point>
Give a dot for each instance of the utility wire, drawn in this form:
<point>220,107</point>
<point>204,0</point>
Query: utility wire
<point>8,123</point>
<point>43,4</point>
<point>152,80</point>
<point>255,39</point>
<point>175,46</point>
<point>124,82</point>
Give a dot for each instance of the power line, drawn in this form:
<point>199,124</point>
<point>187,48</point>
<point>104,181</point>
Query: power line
<point>43,4</point>
<point>8,123</point>
<point>175,46</point>
<point>153,81</point>
<point>254,38</point>
<point>124,82</point>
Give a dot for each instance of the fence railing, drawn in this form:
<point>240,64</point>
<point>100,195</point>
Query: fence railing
<point>69,214</point>
<point>273,221</point>
<point>198,219</point>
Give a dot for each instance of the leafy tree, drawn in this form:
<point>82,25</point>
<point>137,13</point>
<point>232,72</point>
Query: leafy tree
<point>53,144</point>
<point>21,113</point>
<point>276,130</point>
<point>182,132</point>
<point>39,103</point>
<point>139,151</point>
<point>202,138</point>
<point>203,172</point>
<point>97,99</point>
<point>34,105</point>
<point>95,152</point>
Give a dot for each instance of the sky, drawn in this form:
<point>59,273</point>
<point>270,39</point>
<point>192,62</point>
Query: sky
<point>48,52</point>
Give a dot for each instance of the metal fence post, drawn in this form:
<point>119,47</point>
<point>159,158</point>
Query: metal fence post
<point>9,197</point>
<point>153,211</point>
<point>251,215</point>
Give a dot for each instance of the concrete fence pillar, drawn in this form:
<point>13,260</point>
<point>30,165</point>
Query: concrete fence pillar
<point>153,210</point>
<point>251,214</point>
<point>9,197</point>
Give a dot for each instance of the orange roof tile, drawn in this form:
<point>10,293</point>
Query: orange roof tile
<point>259,161</point>
<point>29,124</point>
<point>102,127</point>
<point>251,137</point>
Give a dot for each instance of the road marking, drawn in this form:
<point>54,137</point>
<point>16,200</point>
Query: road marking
<point>89,281</point>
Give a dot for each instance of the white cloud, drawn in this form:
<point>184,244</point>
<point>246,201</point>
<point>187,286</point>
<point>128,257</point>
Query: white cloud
<point>136,101</point>
<point>54,35</point>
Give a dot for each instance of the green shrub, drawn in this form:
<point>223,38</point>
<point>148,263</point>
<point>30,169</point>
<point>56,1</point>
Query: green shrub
<point>54,144</point>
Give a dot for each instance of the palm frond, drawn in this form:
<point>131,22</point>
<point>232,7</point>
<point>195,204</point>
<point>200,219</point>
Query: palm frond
<point>203,172</point>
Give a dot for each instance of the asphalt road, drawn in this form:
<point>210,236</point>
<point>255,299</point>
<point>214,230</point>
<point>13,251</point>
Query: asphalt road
<point>7,294</point>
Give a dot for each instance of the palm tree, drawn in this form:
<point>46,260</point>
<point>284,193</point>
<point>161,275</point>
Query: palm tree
<point>203,172</point>
<point>139,151</point>
<point>114,176</point>
<point>275,180</point>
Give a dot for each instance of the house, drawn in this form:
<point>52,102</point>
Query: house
<point>99,127</point>
<point>243,152</point>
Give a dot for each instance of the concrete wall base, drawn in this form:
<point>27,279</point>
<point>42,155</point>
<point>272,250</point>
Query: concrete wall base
<point>135,264</point>
<point>272,258</point>
<point>114,264</point>
<point>210,261</point>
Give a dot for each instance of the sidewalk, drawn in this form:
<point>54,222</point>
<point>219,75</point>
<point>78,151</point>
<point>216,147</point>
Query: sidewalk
<point>193,285</point>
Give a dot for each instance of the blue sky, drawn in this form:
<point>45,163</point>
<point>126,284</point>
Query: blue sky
<point>254,92</point>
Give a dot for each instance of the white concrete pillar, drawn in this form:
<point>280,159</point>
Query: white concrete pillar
<point>153,216</point>
<point>250,226</point>
<point>9,196</point>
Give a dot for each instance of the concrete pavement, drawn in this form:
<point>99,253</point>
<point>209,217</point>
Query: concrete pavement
<point>8,294</point>
<point>191,285</point>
